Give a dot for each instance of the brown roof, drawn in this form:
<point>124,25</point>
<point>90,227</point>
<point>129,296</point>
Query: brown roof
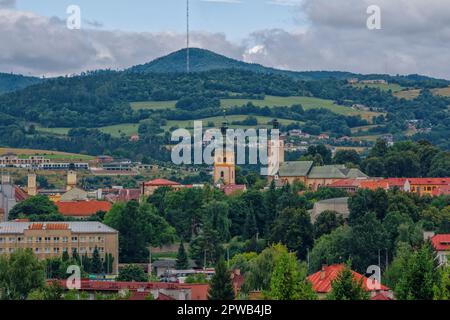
<point>82,208</point>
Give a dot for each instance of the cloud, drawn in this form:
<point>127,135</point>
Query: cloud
<point>38,45</point>
<point>415,38</point>
<point>7,4</point>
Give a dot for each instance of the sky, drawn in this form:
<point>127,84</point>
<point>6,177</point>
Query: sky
<point>297,35</point>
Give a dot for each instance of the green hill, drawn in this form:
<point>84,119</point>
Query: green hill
<point>13,82</point>
<point>202,60</point>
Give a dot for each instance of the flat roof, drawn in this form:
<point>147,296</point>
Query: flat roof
<point>77,227</point>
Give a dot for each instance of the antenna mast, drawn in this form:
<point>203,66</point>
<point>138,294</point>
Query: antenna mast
<point>188,66</point>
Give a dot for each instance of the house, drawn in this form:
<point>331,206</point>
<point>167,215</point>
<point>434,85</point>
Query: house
<point>441,243</point>
<point>323,136</point>
<point>51,239</point>
<point>321,282</point>
<point>82,209</point>
<point>427,186</point>
<point>315,177</point>
<point>140,290</point>
<point>339,205</point>
<point>148,188</point>
<point>75,194</point>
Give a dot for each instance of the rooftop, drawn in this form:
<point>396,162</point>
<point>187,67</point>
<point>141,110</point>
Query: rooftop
<point>441,242</point>
<point>161,183</point>
<point>82,208</point>
<point>296,168</point>
<point>321,281</point>
<point>77,227</point>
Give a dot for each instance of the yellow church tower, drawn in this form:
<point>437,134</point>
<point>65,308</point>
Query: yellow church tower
<point>224,163</point>
<point>275,152</point>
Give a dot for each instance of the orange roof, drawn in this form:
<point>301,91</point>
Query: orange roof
<point>396,182</point>
<point>441,242</point>
<point>321,281</point>
<point>345,183</point>
<point>161,183</point>
<point>374,184</point>
<point>82,208</point>
<point>431,181</point>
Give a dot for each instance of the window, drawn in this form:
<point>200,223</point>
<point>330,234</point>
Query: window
<point>65,239</point>
<point>100,239</point>
<point>36,250</point>
<point>82,239</point>
<point>12,240</point>
<point>91,239</point>
<point>47,250</point>
<point>56,239</point>
<point>1,250</point>
<point>55,250</point>
<point>74,239</point>
<point>2,240</point>
<point>30,239</point>
<point>19,239</point>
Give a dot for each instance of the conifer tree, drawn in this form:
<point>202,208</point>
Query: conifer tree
<point>182,258</point>
<point>221,287</point>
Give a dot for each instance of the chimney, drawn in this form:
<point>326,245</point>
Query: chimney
<point>32,185</point>
<point>322,272</point>
<point>71,180</point>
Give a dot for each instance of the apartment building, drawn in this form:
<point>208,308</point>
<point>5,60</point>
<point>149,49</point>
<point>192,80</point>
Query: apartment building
<point>51,239</point>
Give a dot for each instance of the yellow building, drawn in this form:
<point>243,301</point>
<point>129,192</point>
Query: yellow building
<point>51,239</point>
<point>224,163</point>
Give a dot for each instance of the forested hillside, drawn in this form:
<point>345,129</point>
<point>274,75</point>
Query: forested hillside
<point>13,82</point>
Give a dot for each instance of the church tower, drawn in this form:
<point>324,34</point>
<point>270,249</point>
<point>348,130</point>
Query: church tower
<point>275,152</point>
<point>224,163</point>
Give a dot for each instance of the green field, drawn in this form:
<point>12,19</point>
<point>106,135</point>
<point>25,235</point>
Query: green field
<point>153,105</point>
<point>117,130</point>
<point>49,154</point>
<point>408,94</point>
<point>269,101</point>
<point>385,87</point>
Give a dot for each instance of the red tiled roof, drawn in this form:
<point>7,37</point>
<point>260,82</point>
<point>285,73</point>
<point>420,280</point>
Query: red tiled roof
<point>430,181</point>
<point>345,183</point>
<point>321,281</point>
<point>161,183</point>
<point>374,185</point>
<point>441,242</point>
<point>396,182</point>
<point>162,296</point>
<point>198,291</point>
<point>82,208</point>
<point>20,195</point>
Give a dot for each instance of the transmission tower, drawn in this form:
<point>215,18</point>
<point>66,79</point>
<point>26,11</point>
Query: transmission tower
<point>188,62</point>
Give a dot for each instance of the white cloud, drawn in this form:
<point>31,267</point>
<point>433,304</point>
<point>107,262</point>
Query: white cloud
<point>415,38</point>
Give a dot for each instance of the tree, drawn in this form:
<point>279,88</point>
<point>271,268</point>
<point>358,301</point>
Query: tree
<point>347,287</point>
<point>221,287</point>
<point>38,208</point>
<point>288,282</point>
<point>182,258</point>
<point>347,156</point>
<point>326,222</point>
<point>420,276</point>
<point>132,273</point>
<point>97,264</point>
<point>216,214</point>
<point>294,229</point>
<point>20,273</point>
<point>139,226</point>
